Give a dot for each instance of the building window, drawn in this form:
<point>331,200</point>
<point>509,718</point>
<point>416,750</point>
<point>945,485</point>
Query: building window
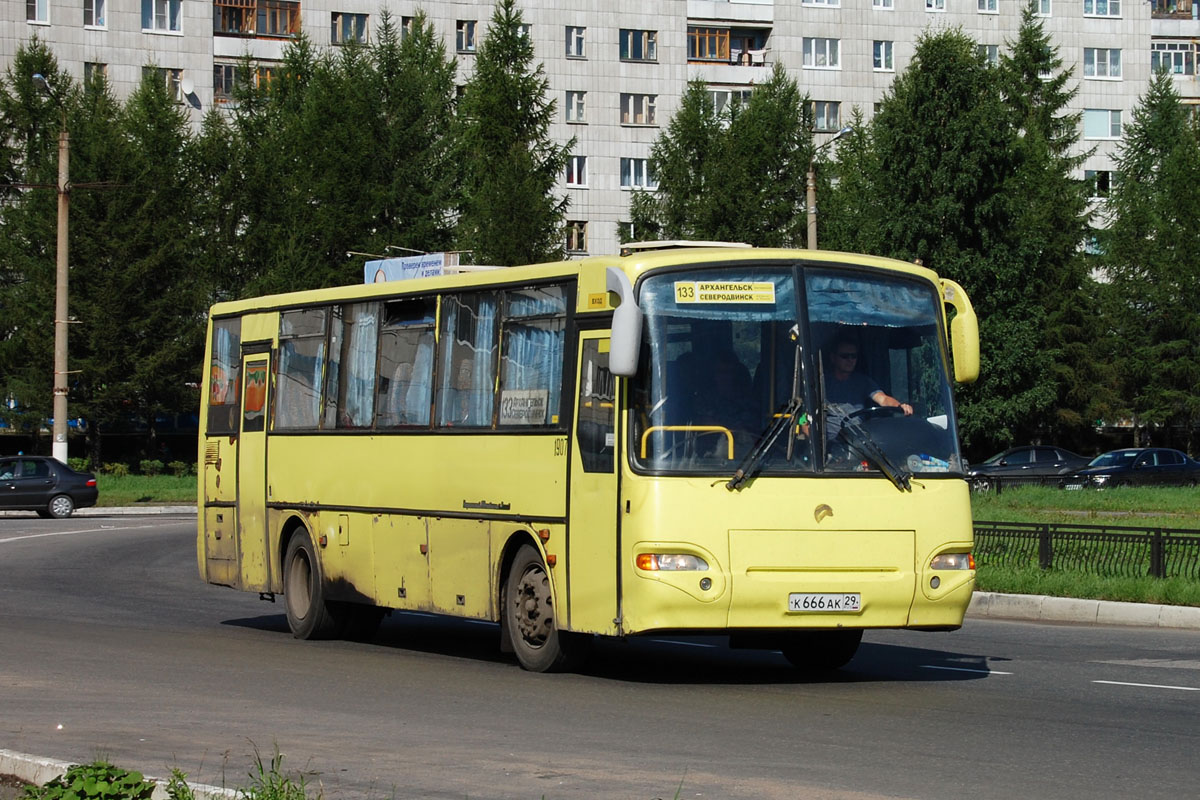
<point>721,97</point>
<point>639,45</point>
<point>1043,9</point>
<point>708,44</point>
<point>1099,182</point>
<point>935,5</point>
<point>827,116</point>
<point>1171,8</point>
<point>162,15</point>
<point>636,174</point>
<point>1178,58</point>
<point>1099,62</point>
<point>1102,8</point>
<point>37,10</point>
<point>577,237</point>
<point>990,53</point>
<point>226,78</point>
<point>346,28</point>
<point>278,18</point>
<point>988,6</point>
<point>883,5</point>
<point>1102,123</point>
<point>883,57</point>
<point>527,31</point>
<point>821,53</point>
<point>94,68</point>
<point>577,171</point>
<point>831,3</point>
<point>234,17</point>
<point>576,37</point>
<point>407,26</point>
<point>93,14</point>
<point>464,36</point>
<point>575,106</point>
<point>638,109</point>
<point>170,77</point>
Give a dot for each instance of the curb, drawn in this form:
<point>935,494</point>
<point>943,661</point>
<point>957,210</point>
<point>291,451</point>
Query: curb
<point>1089,612</point>
<point>37,771</point>
<point>134,511</point>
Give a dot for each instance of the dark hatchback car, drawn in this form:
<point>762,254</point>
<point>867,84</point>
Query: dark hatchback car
<point>1036,462</point>
<point>1145,466</point>
<point>44,485</point>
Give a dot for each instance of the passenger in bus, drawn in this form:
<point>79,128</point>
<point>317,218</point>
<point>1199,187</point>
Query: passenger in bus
<point>724,397</point>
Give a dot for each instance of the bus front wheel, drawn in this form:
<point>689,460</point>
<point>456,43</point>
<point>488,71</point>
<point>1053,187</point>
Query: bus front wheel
<point>308,612</point>
<point>821,651</point>
<point>529,610</point>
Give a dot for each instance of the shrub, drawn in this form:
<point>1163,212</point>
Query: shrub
<point>99,780</point>
<point>150,466</point>
<point>116,470</point>
<point>180,468</point>
<point>78,464</point>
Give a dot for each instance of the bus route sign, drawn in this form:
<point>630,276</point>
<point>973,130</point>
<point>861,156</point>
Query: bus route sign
<point>724,292</point>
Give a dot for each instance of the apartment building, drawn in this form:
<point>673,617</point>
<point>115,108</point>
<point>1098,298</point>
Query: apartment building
<point>617,69</point>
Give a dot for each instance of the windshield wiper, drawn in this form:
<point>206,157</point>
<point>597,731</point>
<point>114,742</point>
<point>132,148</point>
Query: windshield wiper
<point>855,435</point>
<point>783,421</point>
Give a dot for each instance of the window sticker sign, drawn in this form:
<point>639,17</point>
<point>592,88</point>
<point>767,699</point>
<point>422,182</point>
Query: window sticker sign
<point>724,292</point>
<point>523,406</point>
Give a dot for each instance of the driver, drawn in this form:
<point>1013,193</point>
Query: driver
<point>851,389</point>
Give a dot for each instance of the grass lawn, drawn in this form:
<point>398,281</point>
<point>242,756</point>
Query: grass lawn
<point>1167,507</point>
<point>140,490</point>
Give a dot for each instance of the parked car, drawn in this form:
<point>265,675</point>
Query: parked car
<point>1145,466</point>
<point>44,485</point>
<point>1034,461</point>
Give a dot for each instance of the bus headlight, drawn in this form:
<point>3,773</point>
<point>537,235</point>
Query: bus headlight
<point>953,561</point>
<point>673,562</point>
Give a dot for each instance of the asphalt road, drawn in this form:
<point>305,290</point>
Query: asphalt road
<point>111,647</point>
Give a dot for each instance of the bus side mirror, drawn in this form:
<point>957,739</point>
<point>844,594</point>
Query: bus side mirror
<point>626,326</point>
<point>964,333</point>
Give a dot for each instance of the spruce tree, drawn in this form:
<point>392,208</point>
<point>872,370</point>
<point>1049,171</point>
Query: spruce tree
<point>1151,259</point>
<point>509,213</point>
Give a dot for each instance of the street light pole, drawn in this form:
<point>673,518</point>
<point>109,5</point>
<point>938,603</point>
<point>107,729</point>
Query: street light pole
<point>59,445</point>
<point>810,199</point>
<point>59,450</point>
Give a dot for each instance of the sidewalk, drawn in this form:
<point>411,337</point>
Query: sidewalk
<point>1036,608</point>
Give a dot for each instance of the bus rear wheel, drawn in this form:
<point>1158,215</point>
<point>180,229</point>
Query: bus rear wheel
<point>529,610</point>
<point>821,651</point>
<point>308,612</point>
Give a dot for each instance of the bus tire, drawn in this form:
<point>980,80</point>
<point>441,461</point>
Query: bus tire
<point>529,617</point>
<point>309,613</point>
<point>821,651</point>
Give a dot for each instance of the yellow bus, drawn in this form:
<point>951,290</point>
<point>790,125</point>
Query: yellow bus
<point>653,442</point>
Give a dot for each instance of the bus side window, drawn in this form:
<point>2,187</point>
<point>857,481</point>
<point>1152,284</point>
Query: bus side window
<point>467,359</point>
<point>406,363</point>
<point>597,401</point>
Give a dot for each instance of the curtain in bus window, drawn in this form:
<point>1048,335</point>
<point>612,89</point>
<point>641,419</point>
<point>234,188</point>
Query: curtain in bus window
<point>466,388</point>
<point>301,362</point>
<point>406,348</point>
<point>352,366</point>
<point>532,361</point>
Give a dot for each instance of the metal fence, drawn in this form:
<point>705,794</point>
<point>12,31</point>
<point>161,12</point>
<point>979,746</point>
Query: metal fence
<point>1105,550</point>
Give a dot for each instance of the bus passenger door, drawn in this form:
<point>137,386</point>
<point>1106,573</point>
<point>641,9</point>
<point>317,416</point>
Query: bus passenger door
<point>252,535</point>
<point>592,517</point>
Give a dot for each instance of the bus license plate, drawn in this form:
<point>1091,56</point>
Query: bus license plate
<point>801,601</point>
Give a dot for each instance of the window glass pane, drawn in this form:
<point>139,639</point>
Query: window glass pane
<point>467,360</point>
<point>531,377</point>
<point>406,363</point>
<point>223,377</point>
<point>301,364</point>
<point>350,375</point>
<point>597,401</point>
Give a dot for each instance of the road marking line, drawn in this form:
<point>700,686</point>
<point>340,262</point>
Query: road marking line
<point>1151,686</point>
<point>73,533</point>
<point>964,669</point>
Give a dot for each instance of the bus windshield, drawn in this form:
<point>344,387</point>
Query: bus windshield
<point>855,359</point>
